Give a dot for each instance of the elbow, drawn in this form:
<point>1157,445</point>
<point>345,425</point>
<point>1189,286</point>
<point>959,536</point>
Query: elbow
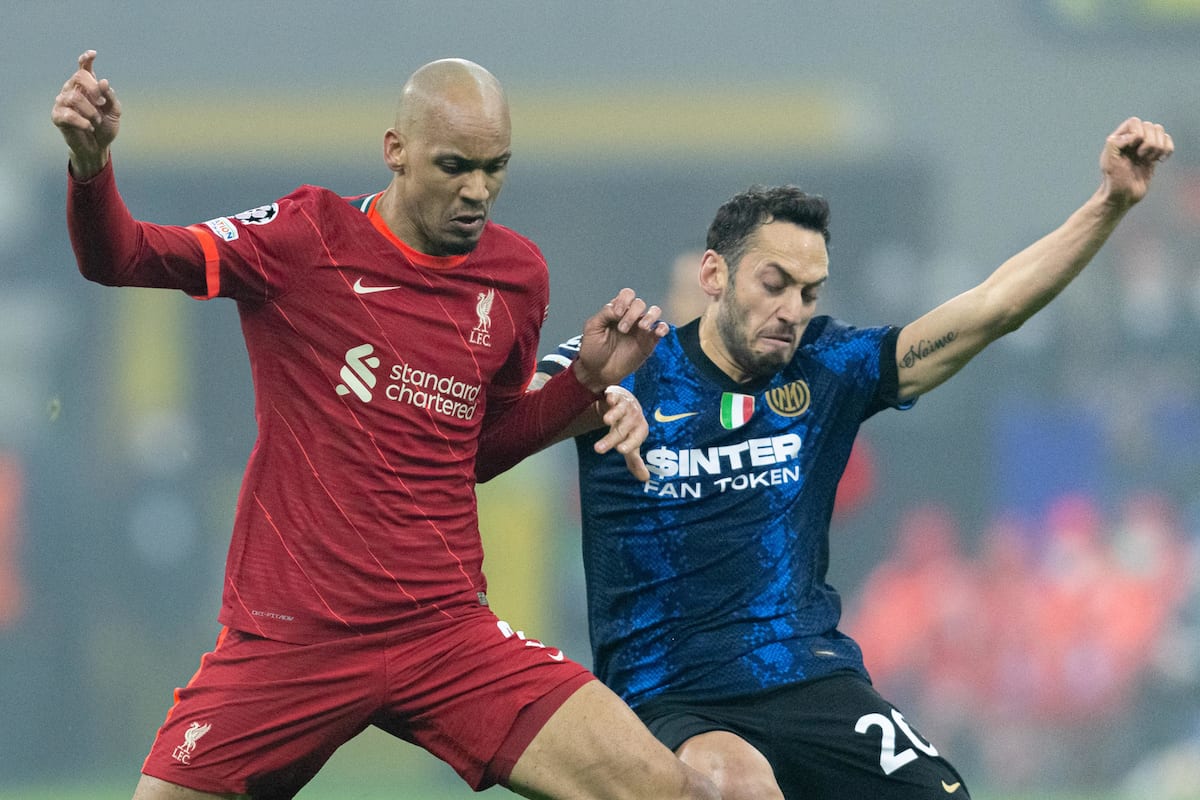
<point>1012,319</point>
<point>491,458</point>
<point>1000,319</point>
<point>1004,312</point>
<point>1009,324</point>
<point>97,272</point>
<point>107,255</point>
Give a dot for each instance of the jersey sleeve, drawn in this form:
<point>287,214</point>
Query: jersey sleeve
<point>114,249</point>
<point>532,422</point>
<point>258,254</point>
<point>553,363</point>
<point>518,423</point>
<point>242,257</point>
<point>865,357</point>
<point>887,391</point>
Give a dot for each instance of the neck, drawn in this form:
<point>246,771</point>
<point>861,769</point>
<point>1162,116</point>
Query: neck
<point>388,208</point>
<point>714,348</point>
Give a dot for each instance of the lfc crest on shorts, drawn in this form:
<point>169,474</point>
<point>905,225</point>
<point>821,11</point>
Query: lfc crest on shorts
<point>183,753</point>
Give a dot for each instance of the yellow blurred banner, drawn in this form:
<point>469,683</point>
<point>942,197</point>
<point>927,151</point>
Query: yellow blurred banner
<point>632,123</point>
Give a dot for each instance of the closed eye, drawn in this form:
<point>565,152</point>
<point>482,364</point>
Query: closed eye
<point>812,292</point>
<point>458,166</point>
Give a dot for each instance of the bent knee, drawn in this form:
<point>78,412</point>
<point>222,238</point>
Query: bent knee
<point>737,769</point>
<point>736,785</point>
<point>594,746</point>
<point>700,787</point>
<point>660,774</point>
<point>749,788</point>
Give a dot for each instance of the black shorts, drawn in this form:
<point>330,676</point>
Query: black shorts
<point>834,737</point>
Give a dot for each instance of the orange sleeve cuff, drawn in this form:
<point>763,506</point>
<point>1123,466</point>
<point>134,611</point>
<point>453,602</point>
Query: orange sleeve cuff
<point>212,262</point>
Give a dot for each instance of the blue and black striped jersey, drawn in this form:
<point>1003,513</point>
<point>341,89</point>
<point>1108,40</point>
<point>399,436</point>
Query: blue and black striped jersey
<point>708,581</point>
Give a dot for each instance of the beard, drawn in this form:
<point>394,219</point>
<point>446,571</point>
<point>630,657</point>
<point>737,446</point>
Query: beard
<point>735,336</point>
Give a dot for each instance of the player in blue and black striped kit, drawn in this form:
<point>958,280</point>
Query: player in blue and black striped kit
<point>708,607</point>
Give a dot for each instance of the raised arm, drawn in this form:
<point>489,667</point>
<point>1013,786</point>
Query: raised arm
<point>940,343</point>
<point>88,115</point>
<point>111,247</point>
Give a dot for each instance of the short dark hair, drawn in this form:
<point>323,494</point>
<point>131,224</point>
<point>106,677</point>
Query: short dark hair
<point>744,213</point>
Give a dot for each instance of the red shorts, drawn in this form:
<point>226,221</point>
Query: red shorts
<point>260,717</point>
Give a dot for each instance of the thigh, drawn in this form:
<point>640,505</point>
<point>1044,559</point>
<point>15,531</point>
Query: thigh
<point>714,739</point>
<point>834,737</point>
<point>474,692</point>
<point>738,769</point>
<point>595,747</point>
<point>149,788</point>
<point>260,717</point>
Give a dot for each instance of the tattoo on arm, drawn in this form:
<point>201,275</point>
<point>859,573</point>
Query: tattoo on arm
<point>926,348</point>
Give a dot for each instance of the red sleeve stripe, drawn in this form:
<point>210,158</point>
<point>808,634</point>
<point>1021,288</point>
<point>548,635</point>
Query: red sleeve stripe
<point>212,262</point>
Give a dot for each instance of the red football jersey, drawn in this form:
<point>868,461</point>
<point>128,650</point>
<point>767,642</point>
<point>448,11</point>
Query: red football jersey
<point>373,367</point>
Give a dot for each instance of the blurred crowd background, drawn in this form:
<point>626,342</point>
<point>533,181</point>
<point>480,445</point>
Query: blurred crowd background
<point>1019,554</point>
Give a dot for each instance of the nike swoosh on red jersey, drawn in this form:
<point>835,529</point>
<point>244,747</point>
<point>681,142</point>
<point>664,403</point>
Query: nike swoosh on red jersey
<point>360,289</point>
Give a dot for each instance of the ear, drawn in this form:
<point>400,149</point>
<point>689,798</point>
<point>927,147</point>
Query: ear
<point>714,274</point>
<point>394,153</point>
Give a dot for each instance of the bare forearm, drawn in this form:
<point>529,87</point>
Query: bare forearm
<point>86,166</point>
<point>1025,283</point>
<point>939,344</point>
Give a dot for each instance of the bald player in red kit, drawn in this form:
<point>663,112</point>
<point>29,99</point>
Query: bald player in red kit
<point>391,337</point>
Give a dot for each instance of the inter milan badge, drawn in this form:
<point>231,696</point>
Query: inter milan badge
<point>736,410</point>
<point>790,400</point>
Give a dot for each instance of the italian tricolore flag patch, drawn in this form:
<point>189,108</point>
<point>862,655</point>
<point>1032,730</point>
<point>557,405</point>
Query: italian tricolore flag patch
<point>736,410</point>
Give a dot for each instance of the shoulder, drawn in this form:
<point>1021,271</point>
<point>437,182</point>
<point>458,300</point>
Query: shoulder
<point>327,202</point>
<point>311,195</point>
<point>668,346</point>
<point>506,239</point>
<point>317,199</point>
<point>302,214</point>
<point>866,353</point>
<point>307,193</point>
<point>826,332</point>
<point>817,328</point>
<point>667,361</point>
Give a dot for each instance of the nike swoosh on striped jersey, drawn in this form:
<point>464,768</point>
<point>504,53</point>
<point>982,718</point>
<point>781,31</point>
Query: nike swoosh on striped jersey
<point>659,416</point>
<point>360,289</point>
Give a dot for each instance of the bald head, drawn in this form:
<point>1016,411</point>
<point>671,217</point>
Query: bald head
<point>444,91</point>
<point>448,153</point>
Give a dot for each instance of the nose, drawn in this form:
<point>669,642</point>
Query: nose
<point>475,187</point>
<point>793,308</point>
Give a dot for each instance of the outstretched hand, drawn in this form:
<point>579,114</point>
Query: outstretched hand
<point>1130,155</point>
<point>627,429</point>
<point>88,115</point>
<point>617,339</point>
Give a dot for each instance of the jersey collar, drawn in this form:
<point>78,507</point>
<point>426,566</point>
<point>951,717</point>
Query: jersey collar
<point>689,340</point>
<point>370,206</point>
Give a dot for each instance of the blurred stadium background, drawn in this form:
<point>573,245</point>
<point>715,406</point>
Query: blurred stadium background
<point>1018,554</point>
